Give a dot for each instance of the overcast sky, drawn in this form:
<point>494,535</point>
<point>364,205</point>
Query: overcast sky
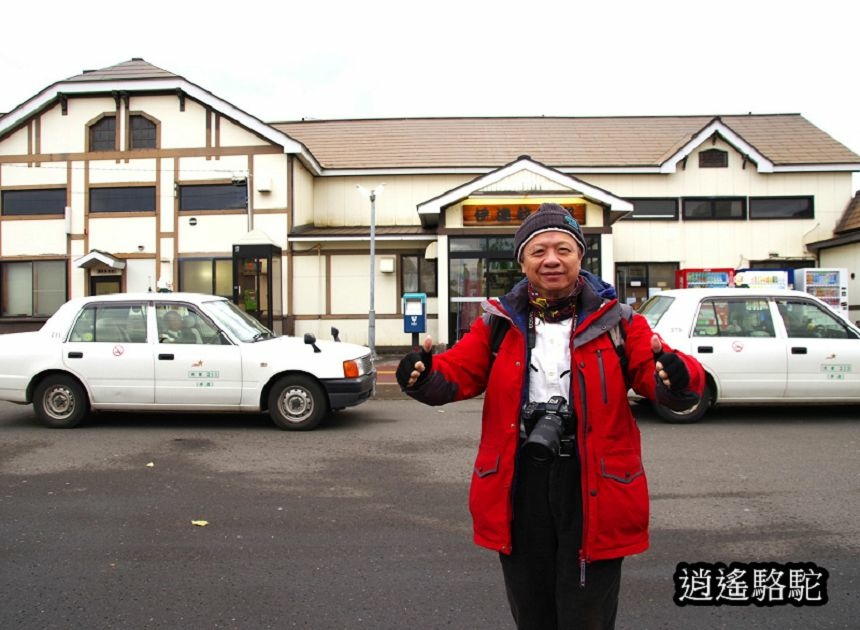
<point>384,58</point>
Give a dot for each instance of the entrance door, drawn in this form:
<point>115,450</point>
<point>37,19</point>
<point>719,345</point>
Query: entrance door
<point>105,285</point>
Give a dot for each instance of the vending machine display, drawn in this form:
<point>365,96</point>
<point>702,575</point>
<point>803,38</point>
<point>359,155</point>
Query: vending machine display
<point>762,278</point>
<point>828,285</point>
<point>704,278</point>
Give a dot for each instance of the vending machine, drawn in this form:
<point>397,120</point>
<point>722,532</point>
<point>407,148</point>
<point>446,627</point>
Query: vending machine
<point>762,278</point>
<point>704,278</point>
<point>828,285</point>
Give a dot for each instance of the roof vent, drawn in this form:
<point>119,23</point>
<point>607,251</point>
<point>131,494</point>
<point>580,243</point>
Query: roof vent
<point>87,71</point>
<point>137,58</point>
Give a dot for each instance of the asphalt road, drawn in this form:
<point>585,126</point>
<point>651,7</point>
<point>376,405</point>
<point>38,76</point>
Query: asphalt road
<point>364,523</point>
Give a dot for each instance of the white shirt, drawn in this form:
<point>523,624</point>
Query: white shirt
<point>549,369</point>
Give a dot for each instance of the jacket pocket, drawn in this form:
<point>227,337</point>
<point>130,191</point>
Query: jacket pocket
<point>487,462</point>
<point>622,467</point>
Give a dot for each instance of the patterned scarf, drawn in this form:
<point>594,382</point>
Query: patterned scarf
<point>553,310</point>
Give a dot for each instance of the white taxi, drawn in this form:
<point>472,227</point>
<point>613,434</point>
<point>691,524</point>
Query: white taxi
<point>177,352</point>
<point>773,346</point>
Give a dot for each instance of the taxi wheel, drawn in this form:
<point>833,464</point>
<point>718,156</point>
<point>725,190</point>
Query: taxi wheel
<point>60,402</point>
<point>691,415</point>
<point>297,403</point>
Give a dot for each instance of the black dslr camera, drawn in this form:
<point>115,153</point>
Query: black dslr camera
<point>545,424</point>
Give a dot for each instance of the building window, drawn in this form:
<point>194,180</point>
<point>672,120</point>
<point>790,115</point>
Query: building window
<point>214,197</point>
<point>131,199</point>
<point>695,208</point>
<point>713,158</point>
<point>103,134</point>
<point>781,208</point>
<point>33,289</point>
<point>30,202</point>
<point>213,276</point>
<point>418,275</point>
<point>141,132</point>
<point>654,208</point>
<point>636,282</point>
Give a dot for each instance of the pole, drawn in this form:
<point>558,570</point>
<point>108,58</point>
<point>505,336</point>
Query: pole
<point>371,316</point>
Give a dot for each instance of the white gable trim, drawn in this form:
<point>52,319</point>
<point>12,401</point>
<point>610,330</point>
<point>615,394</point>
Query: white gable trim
<point>95,256</point>
<point>27,109</point>
<point>717,126</point>
<point>615,204</point>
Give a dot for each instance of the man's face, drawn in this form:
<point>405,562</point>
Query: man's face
<point>173,321</point>
<point>551,262</point>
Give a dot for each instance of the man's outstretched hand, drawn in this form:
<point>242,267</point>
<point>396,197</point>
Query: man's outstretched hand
<point>669,367</point>
<point>415,365</point>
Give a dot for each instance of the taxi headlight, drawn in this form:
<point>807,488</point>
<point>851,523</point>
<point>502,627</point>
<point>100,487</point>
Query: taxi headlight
<point>354,368</point>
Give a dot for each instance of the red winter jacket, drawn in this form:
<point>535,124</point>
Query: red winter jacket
<point>614,489</point>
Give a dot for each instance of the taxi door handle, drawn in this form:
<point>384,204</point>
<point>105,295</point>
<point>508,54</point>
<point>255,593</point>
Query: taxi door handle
<point>798,350</point>
<point>165,357</point>
<point>76,355</point>
<point>705,349</point>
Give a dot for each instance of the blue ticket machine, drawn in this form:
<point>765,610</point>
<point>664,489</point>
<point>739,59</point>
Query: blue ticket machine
<point>414,315</point>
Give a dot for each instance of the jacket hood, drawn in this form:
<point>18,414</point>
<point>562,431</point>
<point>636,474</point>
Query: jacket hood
<point>600,286</point>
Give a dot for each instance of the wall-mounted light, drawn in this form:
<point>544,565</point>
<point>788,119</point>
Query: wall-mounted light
<point>192,221</point>
<point>140,248</point>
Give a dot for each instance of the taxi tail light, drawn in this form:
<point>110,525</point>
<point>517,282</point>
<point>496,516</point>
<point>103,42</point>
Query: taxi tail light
<point>350,369</point>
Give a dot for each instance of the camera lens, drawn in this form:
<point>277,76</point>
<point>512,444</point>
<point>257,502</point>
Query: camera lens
<point>544,441</point>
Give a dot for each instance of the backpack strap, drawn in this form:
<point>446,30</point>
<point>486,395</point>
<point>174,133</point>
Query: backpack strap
<point>618,334</point>
<point>498,329</point>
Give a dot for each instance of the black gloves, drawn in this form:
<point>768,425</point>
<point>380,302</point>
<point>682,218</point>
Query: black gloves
<point>407,366</point>
<point>675,370</point>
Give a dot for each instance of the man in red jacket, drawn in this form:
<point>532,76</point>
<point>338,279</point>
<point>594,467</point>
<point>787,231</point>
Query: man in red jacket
<point>558,487</point>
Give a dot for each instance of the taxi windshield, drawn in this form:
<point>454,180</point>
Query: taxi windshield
<point>236,322</point>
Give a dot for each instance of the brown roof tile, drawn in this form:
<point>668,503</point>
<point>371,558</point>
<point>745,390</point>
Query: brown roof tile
<point>135,68</point>
<point>560,142</point>
<point>850,220</point>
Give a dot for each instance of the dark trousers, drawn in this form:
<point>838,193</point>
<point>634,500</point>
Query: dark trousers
<point>542,575</point>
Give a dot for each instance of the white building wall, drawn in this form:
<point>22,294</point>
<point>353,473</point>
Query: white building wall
<point>140,274</point>
<point>49,174</point>
<point>68,134</point>
<point>15,144</point>
<point>213,232</point>
<point>122,235</point>
<point>847,257</point>
<point>33,238</point>
<point>304,189</point>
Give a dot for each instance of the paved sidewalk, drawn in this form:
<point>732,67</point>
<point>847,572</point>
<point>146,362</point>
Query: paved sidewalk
<point>386,384</point>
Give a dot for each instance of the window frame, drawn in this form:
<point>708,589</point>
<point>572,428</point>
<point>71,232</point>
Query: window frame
<point>712,202</point>
<point>34,299</point>
<point>130,136</point>
<point>4,201</point>
<point>706,162</point>
<point>116,189</point>
<point>653,217</point>
<point>182,188</point>
<point>91,128</point>
<point>213,262</point>
<point>809,198</point>
<point>422,264</point>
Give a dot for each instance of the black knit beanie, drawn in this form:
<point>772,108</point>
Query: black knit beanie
<point>548,217</point>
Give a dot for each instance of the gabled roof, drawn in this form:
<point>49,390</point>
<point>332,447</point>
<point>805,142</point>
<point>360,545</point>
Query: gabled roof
<point>137,75</point>
<point>96,257</point>
<point>850,220</point>
<point>648,144</point>
<point>430,209</point>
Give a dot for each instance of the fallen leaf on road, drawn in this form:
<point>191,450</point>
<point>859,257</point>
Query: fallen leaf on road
<point>200,523</point>
<point>150,465</point>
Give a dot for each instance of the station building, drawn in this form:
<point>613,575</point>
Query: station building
<point>134,178</point>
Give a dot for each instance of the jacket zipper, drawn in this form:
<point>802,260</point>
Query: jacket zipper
<point>602,376</point>
<point>584,480</point>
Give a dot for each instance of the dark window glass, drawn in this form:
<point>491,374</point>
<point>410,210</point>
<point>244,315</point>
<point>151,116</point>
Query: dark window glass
<point>781,208</point>
<point>131,199</point>
<point>142,132</point>
<point>654,209</point>
<point>418,275</point>
<point>24,202</point>
<point>103,134</point>
<point>714,208</point>
<point>713,158</point>
<point>214,197</point>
